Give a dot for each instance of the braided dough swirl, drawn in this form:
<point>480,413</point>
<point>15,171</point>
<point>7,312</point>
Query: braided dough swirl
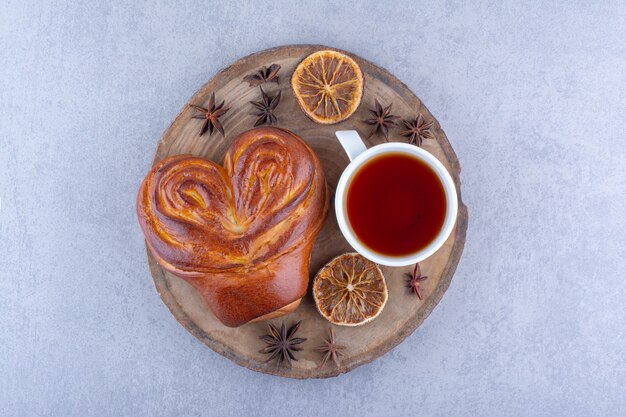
<point>241,234</point>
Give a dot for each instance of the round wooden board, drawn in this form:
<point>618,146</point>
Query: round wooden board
<point>403,312</point>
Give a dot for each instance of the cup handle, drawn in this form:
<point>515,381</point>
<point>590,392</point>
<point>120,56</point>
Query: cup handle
<point>351,142</point>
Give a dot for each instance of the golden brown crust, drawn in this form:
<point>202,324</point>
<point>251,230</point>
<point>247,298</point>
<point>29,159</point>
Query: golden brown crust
<point>241,234</point>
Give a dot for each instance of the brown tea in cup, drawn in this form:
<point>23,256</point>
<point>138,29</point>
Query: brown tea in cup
<point>396,204</point>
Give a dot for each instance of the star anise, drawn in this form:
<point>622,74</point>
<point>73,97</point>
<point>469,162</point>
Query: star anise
<point>417,130</point>
<point>382,120</point>
<point>265,108</point>
<point>264,75</point>
<point>413,282</point>
<point>281,344</point>
<point>331,349</point>
<point>211,116</point>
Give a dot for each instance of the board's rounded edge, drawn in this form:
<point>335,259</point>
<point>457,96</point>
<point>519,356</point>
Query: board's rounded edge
<point>158,274</point>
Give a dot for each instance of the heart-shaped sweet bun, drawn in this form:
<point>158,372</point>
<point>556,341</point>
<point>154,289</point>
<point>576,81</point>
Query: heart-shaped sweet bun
<point>241,234</point>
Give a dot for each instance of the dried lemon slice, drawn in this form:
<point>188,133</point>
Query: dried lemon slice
<point>328,86</point>
<point>350,290</point>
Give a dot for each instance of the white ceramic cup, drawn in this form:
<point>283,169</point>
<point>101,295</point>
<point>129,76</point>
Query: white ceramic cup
<point>359,155</point>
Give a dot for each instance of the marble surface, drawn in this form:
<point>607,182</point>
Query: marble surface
<point>533,99</point>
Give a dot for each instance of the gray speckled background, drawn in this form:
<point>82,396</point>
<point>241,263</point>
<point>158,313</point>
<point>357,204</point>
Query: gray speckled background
<point>532,98</point>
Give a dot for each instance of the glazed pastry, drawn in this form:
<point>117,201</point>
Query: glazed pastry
<point>241,234</point>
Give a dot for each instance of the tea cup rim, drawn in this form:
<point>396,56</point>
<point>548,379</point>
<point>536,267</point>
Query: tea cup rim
<point>441,172</point>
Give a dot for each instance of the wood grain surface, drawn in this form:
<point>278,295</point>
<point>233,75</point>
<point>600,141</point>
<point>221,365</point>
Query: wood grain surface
<point>403,312</point>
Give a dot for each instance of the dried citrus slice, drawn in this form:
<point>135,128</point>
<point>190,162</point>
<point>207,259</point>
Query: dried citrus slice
<point>328,86</point>
<point>350,290</point>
